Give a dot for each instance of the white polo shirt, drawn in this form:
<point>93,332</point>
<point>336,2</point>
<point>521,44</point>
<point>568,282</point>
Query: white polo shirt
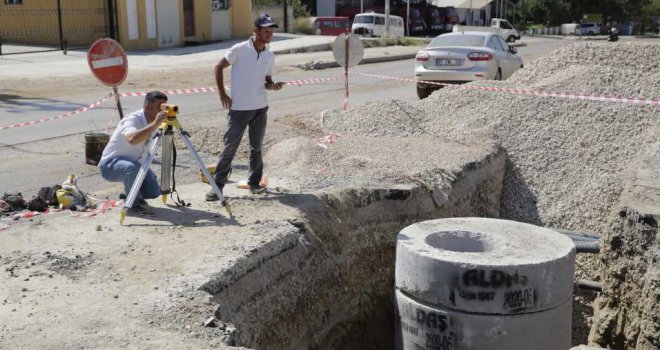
<point>248,75</point>
<point>118,146</point>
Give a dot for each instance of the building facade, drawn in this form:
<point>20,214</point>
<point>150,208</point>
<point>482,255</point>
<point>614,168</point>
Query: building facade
<point>136,24</point>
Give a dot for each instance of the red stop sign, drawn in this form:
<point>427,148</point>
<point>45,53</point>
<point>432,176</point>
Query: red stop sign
<point>108,62</point>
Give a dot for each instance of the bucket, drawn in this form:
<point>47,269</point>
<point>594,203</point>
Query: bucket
<point>94,145</point>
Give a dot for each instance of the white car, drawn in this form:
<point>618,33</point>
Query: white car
<point>457,58</point>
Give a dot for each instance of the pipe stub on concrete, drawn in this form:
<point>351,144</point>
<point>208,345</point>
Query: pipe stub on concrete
<point>485,265</point>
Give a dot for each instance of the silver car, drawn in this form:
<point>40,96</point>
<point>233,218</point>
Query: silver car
<point>457,58</point>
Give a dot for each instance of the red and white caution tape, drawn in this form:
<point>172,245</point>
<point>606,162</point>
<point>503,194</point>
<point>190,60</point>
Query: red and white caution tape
<point>77,111</point>
<point>171,92</point>
<point>541,93</point>
<point>323,142</point>
<point>311,81</point>
<point>144,93</point>
<point>214,89</point>
<point>104,205</point>
<point>30,214</point>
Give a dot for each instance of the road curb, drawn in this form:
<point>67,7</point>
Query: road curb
<point>302,49</point>
<point>332,64</point>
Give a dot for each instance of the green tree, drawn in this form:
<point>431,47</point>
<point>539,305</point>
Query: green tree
<point>299,9</point>
<point>555,12</point>
<point>651,16</point>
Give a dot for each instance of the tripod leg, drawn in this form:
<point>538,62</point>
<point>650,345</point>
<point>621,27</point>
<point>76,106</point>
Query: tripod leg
<point>132,195</point>
<point>202,167</point>
<point>167,143</point>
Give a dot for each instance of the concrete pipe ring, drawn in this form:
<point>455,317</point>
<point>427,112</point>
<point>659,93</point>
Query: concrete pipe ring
<point>421,326</point>
<point>485,265</point>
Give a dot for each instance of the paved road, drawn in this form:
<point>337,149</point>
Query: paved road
<point>317,97</point>
<point>38,155</point>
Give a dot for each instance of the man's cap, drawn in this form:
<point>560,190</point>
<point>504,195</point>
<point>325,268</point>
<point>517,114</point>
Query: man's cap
<point>264,20</point>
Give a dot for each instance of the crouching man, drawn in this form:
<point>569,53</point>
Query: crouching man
<point>126,150</point>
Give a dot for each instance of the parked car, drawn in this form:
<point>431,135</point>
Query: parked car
<point>502,26</point>
<point>589,28</point>
<point>330,25</point>
<point>457,58</point>
<point>373,24</point>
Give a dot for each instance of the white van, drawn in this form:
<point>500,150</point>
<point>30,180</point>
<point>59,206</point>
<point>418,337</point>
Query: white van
<point>497,25</point>
<point>373,24</point>
<point>570,29</point>
<point>589,28</point>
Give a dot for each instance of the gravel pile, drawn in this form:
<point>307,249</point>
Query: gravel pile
<point>356,161</point>
<point>625,69</point>
<point>569,159</point>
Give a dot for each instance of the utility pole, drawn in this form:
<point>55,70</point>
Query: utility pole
<point>361,6</point>
<point>471,14</point>
<point>387,18</point>
<point>111,20</point>
<point>502,9</point>
<point>408,17</point>
<point>286,17</point>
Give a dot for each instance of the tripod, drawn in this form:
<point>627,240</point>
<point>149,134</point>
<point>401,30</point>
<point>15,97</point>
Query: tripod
<point>165,136</point>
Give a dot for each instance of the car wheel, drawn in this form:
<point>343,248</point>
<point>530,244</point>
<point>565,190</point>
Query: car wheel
<point>423,92</point>
<point>511,39</point>
<point>498,75</point>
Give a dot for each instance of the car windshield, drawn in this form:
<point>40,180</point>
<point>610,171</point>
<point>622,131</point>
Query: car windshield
<point>364,19</point>
<point>585,25</point>
<point>458,40</point>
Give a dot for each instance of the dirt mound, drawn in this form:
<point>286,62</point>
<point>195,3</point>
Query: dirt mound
<point>569,160</point>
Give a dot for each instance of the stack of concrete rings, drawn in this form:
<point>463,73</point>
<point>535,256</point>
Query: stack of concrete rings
<point>477,283</point>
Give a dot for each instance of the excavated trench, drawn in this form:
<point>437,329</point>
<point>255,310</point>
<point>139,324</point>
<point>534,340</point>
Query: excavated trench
<point>328,282</point>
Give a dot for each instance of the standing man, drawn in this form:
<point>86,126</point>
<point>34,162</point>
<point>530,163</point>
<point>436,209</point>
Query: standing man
<point>251,75</point>
<point>121,159</point>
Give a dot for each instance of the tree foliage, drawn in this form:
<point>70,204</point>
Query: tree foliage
<point>299,9</point>
<point>555,12</point>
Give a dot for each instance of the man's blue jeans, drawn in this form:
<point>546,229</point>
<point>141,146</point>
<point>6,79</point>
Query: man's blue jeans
<point>126,170</point>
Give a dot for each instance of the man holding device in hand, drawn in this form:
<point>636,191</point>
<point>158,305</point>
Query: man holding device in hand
<point>251,75</point>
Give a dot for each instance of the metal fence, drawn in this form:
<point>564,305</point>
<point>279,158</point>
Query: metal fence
<point>48,25</point>
<point>545,31</point>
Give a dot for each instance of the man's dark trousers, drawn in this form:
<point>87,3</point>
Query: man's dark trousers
<point>255,121</point>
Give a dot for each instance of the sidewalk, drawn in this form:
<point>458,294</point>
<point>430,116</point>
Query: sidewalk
<point>56,64</point>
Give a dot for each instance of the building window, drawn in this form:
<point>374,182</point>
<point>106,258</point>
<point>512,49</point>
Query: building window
<point>218,5</point>
<point>13,2</point>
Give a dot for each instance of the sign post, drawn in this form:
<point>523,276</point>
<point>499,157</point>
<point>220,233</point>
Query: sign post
<point>348,52</point>
<point>109,64</point>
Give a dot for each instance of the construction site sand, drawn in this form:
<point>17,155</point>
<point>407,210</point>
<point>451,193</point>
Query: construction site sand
<point>569,162</point>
